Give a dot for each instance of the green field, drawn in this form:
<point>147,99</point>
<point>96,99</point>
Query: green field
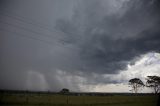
<point>29,99</point>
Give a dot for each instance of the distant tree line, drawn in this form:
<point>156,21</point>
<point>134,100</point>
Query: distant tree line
<point>152,82</point>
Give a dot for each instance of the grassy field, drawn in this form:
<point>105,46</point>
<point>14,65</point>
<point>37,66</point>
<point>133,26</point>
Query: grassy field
<point>29,99</point>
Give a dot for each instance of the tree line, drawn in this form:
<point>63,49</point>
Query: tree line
<point>152,82</point>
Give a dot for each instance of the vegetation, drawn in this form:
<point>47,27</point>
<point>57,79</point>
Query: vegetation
<point>64,91</point>
<point>153,82</point>
<point>49,99</point>
<point>136,84</point>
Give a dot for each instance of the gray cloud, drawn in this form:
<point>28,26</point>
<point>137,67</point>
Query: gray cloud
<point>86,40</point>
<point>109,41</point>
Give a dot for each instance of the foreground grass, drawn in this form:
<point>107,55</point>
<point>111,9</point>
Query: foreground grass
<point>66,100</point>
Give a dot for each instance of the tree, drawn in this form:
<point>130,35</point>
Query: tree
<point>154,83</point>
<point>64,91</point>
<point>136,84</point>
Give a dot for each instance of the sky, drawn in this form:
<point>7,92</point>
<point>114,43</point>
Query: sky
<point>82,45</point>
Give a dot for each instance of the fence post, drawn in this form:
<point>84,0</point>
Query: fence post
<point>67,100</point>
<point>27,97</point>
<point>83,99</point>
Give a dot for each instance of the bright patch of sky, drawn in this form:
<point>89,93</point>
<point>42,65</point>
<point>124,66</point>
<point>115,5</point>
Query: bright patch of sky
<point>146,65</point>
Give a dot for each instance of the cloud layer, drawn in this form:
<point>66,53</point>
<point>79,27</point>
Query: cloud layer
<point>74,43</point>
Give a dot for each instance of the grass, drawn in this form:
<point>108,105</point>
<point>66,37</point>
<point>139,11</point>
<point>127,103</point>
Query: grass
<point>22,99</point>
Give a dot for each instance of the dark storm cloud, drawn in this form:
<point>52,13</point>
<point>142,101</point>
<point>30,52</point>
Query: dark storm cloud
<point>58,44</point>
<point>109,41</point>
